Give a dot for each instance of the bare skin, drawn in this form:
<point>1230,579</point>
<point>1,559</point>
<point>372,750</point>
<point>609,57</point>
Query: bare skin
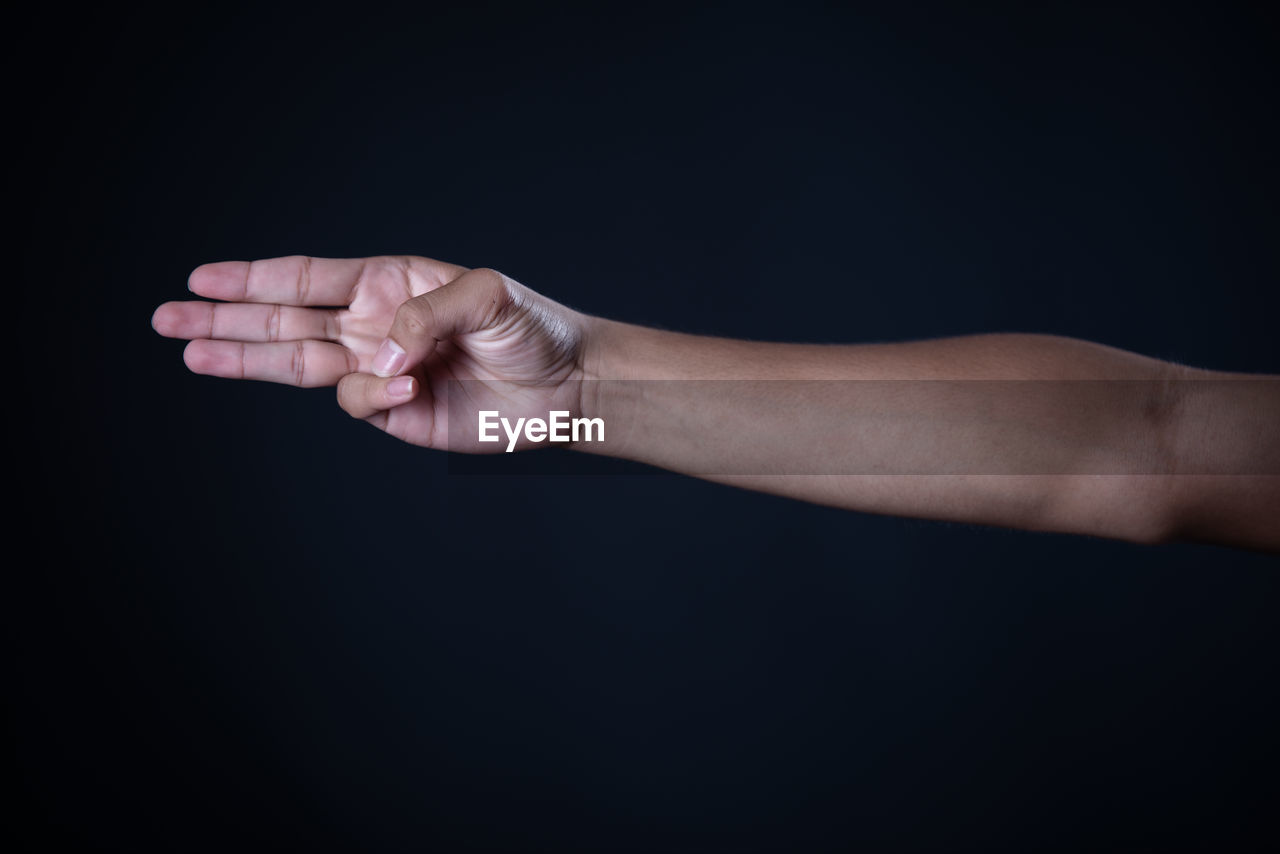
<point>1158,452</point>
<point>319,322</point>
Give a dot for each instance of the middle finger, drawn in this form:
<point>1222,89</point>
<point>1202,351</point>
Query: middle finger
<point>233,321</point>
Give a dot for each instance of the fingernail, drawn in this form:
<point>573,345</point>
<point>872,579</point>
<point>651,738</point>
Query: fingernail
<point>400,387</point>
<point>389,359</point>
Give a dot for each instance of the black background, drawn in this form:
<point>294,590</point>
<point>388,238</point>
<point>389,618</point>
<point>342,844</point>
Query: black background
<point>240,618</point>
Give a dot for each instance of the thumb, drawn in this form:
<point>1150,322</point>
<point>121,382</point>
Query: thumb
<point>364,395</point>
<point>469,303</point>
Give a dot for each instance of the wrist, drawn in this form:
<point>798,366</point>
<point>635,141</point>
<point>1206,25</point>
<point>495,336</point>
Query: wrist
<point>602,343</point>
<point>605,389</point>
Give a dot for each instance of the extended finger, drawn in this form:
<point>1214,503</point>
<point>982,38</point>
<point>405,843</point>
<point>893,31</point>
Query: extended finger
<point>303,280</point>
<point>295,280</point>
<point>301,363</point>
<point>362,395</point>
<point>244,321</point>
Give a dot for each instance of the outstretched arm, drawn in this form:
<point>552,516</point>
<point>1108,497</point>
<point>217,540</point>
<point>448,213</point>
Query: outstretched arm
<point>1025,431</point>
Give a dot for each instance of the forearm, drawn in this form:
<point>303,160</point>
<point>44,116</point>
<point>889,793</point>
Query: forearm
<point>1011,430</point>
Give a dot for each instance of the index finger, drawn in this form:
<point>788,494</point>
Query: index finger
<point>303,280</point>
<point>294,280</point>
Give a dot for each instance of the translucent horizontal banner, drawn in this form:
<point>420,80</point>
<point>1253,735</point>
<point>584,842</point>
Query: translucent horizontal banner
<point>868,427</point>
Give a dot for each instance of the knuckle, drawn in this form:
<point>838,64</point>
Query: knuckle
<point>303,285</point>
<point>390,268</point>
<point>492,286</point>
<point>403,264</point>
<point>298,364</point>
<point>496,292</point>
<point>489,280</point>
<point>273,324</point>
<point>414,318</point>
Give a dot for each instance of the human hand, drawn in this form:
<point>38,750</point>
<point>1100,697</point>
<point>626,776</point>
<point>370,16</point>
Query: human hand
<point>390,333</point>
